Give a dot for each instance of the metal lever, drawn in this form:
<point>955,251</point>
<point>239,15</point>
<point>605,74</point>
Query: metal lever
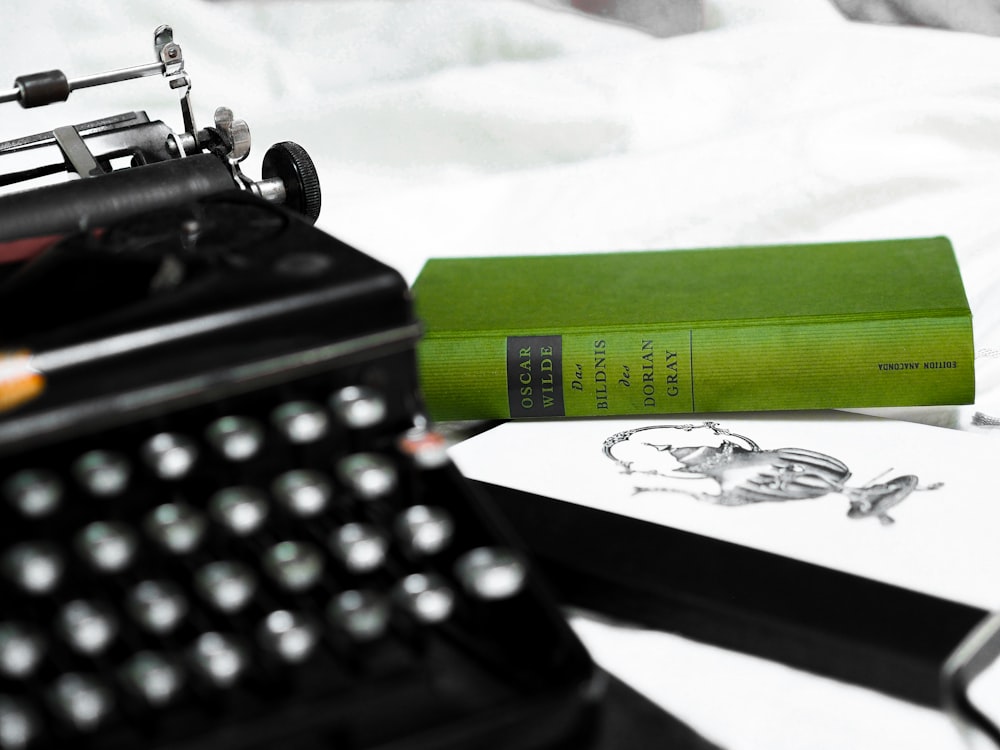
<point>47,87</point>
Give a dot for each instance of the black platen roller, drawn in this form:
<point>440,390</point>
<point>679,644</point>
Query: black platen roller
<point>78,204</point>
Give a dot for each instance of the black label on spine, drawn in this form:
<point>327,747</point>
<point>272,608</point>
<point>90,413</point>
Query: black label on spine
<point>534,376</point>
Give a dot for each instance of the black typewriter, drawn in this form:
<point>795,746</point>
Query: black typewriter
<point>225,521</point>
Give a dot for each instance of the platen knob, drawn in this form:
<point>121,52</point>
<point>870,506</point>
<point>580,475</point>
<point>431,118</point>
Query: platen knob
<point>290,163</point>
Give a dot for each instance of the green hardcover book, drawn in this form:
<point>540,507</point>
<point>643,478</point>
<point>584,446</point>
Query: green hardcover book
<point>838,325</point>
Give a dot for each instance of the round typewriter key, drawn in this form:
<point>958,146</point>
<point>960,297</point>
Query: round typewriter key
<point>295,566</point>
<point>425,529</point>
<point>358,406</point>
<point>301,422</point>
<point>89,627</point>
<point>219,658</point>
<point>360,546</point>
<point>227,585</point>
<point>36,567</point>
<point>18,723</point>
<point>152,677</point>
<point>303,492</point>
<point>428,449</point>
<point>21,650</point>
<point>290,635</point>
<point>426,596</point>
<point>236,438</point>
<point>242,510</point>
<point>102,473</point>
<point>176,527</point>
<point>159,606</point>
<point>369,475</point>
<point>81,700</point>
<point>363,614</point>
<point>491,572</point>
<point>34,492</point>
<point>170,456</point>
<point>107,546</point>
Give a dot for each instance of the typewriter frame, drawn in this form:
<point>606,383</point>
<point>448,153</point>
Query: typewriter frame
<point>288,315</point>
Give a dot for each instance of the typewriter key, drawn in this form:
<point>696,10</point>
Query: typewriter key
<point>219,658</point>
<point>169,455</point>
<point>359,407</point>
<point>303,492</point>
<point>102,473</point>
<point>107,546</point>
<point>159,606</point>
<point>425,529</point>
<point>369,475</point>
<point>21,650</point>
<point>491,573</point>
<point>34,492</point>
<point>81,700</point>
<point>426,596</point>
<point>36,567</point>
<point>18,723</point>
<point>300,422</point>
<point>89,627</point>
<point>242,510</point>
<point>176,527</point>
<point>236,438</point>
<point>295,566</point>
<point>152,677</point>
<point>428,449</point>
<point>227,585</point>
<point>290,635</point>
<point>361,613</point>
<point>361,547</point>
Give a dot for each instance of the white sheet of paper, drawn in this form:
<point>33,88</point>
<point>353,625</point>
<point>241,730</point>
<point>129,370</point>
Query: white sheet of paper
<point>942,538</point>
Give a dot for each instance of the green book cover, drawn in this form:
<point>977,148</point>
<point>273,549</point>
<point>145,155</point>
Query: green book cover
<point>836,325</point>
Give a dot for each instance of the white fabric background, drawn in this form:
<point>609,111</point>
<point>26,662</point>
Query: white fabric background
<point>496,126</point>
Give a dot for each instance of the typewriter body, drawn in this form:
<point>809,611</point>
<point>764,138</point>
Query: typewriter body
<point>225,521</point>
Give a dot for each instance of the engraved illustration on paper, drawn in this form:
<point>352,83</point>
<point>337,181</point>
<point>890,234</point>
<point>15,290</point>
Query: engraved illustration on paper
<point>741,472</point>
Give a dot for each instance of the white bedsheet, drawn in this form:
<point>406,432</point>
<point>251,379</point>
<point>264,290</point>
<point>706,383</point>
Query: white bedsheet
<point>496,126</point>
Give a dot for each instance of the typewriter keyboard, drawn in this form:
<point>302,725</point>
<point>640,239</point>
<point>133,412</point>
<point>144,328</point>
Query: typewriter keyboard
<point>296,567</point>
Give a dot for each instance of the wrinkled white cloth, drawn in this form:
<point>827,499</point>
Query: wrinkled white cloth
<point>443,128</point>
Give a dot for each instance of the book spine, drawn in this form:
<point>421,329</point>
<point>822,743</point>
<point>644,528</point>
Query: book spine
<point>816,364</point>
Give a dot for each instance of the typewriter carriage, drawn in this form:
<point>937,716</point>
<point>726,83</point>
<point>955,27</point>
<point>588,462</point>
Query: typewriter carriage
<point>164,167</point>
